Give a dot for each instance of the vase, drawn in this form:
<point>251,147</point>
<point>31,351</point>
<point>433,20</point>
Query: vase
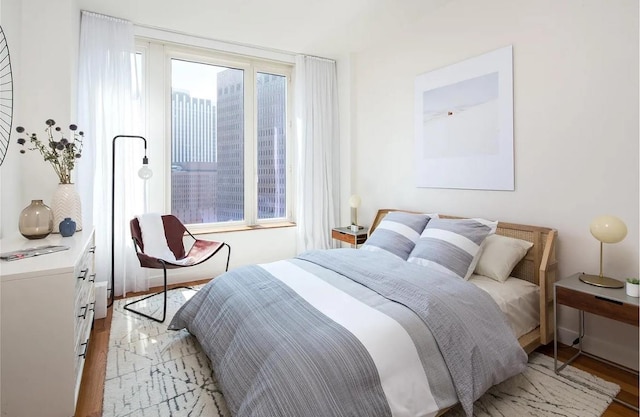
<point>633,290</point>
<point>36,220</point>
<point>67,227</point>
<point>66,203</point>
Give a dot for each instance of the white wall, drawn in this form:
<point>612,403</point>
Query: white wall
<point>10,173</point>
<point>575,118</point>
<point>247,248</point>
<point>44,43</point>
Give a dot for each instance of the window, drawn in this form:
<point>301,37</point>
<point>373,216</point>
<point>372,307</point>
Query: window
<point>229,160</point>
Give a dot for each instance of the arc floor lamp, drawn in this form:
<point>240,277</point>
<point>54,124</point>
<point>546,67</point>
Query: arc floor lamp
<point>145,173</point>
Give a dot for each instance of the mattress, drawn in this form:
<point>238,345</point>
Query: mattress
<point>518,299</point>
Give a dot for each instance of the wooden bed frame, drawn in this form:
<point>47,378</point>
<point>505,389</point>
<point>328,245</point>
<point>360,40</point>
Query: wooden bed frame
<point>539,266</point>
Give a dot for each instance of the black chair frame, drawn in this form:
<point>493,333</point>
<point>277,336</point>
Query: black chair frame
<point>156,263</point>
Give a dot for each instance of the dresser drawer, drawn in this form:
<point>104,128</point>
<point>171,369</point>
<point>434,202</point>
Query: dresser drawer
<point>84,309</point>
<point>83,270</point>
<point>84,322</point>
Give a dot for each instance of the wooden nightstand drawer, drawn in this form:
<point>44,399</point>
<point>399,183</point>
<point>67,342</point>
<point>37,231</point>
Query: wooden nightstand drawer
<point>613,309</point>
<point>344,234</point>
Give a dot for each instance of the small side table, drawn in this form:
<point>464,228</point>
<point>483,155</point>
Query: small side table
<point>612,303</point>
<point>345,234</point>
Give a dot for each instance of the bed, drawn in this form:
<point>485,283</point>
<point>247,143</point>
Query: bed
<point>353,332</point>
<point>539,267</point>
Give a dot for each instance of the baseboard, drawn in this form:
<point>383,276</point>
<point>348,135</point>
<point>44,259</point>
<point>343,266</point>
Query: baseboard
<point>622,355</point>
<point>101,300</point>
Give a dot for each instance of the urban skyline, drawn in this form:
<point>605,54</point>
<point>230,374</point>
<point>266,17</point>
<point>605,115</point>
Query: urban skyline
<point>207,147</point>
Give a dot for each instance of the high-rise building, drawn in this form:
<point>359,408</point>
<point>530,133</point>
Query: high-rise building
<point>193,129</point>
<point>193,193</point>
<point>272,92</point>
<point>271,146</point>
<point>193,158</point>
<point>230,140</point>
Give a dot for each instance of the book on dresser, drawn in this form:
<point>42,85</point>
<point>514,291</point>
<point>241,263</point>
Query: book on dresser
<point>46,314</point>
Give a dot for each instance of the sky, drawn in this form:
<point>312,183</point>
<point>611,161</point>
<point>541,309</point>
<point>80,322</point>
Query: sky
<point>196,78</point>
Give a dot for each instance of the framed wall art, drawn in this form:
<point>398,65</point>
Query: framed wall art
<point>464,124</point>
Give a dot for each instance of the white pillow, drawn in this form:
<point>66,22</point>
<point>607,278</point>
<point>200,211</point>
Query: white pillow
<point>500,254</point>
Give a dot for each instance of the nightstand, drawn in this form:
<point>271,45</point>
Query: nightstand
<point>345,234</point>
<point>612,303</point>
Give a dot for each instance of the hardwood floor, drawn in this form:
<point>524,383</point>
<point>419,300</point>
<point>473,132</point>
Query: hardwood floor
<point>95,367</point>
<point>91,391</point>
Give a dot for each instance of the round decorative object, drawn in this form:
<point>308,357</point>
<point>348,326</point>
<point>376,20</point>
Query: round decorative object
<point>66,203</point>
<point>36,220</point>
<point>67,227</point>
<point>6,96</point>
<point>633,290</point>
<point>608,229</point>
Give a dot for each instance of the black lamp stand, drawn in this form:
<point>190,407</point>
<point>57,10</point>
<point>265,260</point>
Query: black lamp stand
<point>145,161</point>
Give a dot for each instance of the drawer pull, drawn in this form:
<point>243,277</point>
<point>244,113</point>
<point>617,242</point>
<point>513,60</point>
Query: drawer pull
<point>92,278</point>
<point>84,313</point>
<point>86,348</point>
<point>92,249</point>
<point>609,300</point>
<point>93,306</point>
<point>83,274</point>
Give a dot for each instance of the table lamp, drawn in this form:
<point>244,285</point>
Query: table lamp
<point>607,229</point>
<point>354,202</point>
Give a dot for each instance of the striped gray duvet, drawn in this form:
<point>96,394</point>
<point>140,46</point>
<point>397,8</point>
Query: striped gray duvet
<point>349,333</point>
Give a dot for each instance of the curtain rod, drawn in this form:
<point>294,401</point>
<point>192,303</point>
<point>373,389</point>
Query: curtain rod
<point>204,38</point>
<point>235,43</point>
<point>103,16</point>
<point>321,58</point>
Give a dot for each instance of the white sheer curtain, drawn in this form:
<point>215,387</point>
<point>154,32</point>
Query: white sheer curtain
<point>109,105</point>
<point>317,130</point>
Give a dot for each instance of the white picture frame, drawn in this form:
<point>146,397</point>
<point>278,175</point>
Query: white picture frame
<point>464,124</point>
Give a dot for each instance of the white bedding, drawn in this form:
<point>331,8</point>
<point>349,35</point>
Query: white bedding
<point>517,298</point>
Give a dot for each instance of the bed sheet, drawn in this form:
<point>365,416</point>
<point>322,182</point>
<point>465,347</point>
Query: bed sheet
<point>518,299</point>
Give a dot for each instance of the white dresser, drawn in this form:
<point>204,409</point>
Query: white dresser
<point>47,308</point>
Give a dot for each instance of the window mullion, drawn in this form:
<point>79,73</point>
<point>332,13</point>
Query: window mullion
<point>251,186</point>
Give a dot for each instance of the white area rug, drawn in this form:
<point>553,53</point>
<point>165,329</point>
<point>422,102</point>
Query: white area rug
<point>154,372</point>
<point>538,392</point>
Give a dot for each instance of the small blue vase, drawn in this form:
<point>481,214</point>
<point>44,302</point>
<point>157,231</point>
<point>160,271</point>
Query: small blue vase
<point>67,227</point>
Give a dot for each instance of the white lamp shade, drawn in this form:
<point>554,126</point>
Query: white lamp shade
<point>608,229</point>
<point>354,201</point>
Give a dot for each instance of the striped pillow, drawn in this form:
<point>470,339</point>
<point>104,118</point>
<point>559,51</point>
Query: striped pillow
<point>452,245</point>
<point>397,233</point>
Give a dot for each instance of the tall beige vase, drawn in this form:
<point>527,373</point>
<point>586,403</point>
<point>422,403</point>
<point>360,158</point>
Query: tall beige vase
<point>66,203</point>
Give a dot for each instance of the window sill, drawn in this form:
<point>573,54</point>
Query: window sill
<point>227,229</point>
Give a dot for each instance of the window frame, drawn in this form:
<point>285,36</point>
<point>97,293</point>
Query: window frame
<point>251,66</point>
